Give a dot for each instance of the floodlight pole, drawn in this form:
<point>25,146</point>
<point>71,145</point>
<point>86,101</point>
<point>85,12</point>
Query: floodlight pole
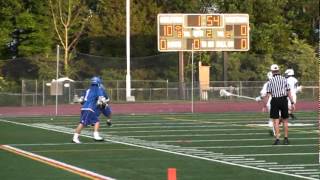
<point>57,76</point>
<point>128,77</point>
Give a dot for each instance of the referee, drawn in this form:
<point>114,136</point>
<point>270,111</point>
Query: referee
<point>279,90</point>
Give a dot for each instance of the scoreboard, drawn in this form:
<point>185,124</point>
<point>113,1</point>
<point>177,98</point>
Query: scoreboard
<point>203,32</point>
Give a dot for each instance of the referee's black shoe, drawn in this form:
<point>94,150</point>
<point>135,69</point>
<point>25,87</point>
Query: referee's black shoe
<point>285,141</point>
<point>276,142</point>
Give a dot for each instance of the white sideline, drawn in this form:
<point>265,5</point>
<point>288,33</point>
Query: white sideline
<point>170,151</point>
<point>51,144</point>
<point>60,164</point>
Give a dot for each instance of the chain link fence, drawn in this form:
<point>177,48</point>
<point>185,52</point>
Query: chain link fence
<point>42,93</point>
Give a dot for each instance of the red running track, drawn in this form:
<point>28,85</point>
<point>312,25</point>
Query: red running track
<point>152,108</point>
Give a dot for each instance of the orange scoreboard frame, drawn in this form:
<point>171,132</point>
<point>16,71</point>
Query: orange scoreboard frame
<point>205,32</point>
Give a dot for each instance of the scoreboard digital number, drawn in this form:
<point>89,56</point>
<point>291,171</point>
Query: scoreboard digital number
<point>203,32</point>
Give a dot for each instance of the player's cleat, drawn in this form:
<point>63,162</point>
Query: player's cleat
<point>76,140</point>
<point>97,137</point>
<point>276,142</point>
<point>109,123</point>
<point>285,141</point>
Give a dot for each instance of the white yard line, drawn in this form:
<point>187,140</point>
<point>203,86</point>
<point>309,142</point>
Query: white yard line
<point>224,140</point>
<point>289,165</point>
<point>236,118</point>
<point>157,147</point>
<point>257,164</point>
<point>254,146</point>
<point>204,129</point>
<point>177,123</point>
<point>302,170</point>
<point>198,126</point>
<point>183,130</point>
<point>289,124</point>
<point>171,127</point>
<point>221,134</point>
<point>308,173</point>
<point>284,168</point>
<point>279,154</point>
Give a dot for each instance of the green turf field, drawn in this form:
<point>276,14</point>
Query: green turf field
<point>224,146</point>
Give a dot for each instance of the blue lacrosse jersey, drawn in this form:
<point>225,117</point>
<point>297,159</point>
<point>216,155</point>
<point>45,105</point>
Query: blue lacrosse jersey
<point>89,107</point>
<point>91,96</point>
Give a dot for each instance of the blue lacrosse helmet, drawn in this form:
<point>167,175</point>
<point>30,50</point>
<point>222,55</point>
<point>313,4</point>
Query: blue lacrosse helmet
<point>95,80</point>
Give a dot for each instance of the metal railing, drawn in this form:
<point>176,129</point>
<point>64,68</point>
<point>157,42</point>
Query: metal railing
<point>35,92</point>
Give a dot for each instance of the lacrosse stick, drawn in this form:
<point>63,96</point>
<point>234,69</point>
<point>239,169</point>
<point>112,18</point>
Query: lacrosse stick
<point>223,93</point>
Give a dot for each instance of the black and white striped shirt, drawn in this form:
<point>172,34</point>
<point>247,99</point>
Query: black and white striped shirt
<point>278,86</point>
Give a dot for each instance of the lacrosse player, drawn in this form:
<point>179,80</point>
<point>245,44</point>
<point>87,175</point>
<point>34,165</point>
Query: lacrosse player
<point>294,88</point>
<point>279,90</point>
<point>263,94</point>
<point>93,96</point>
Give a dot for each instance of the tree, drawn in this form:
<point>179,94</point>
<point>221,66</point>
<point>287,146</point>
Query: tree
<point>303,16</point>
<point>301,57</point>
<point>69,18</point>
<point>24,34</point>
<point>24,26</point>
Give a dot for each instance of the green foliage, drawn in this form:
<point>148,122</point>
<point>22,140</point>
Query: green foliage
<point>46,67</point>
<point>303,16</point>
<point>112,74</point>
<point>301,57</point>
<point>285,32</point>
<point>8,10</point>
<point>8,86</point>
<point>180,6</point>
<point>30,17</point>
<point>244,67</point>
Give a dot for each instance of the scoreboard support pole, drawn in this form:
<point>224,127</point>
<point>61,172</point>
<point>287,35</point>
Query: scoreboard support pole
<point>192,75</point>
<point>181,76</point>
<point>225,67</point>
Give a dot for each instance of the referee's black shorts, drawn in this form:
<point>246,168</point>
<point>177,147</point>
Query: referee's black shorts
<point>279,104</point>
